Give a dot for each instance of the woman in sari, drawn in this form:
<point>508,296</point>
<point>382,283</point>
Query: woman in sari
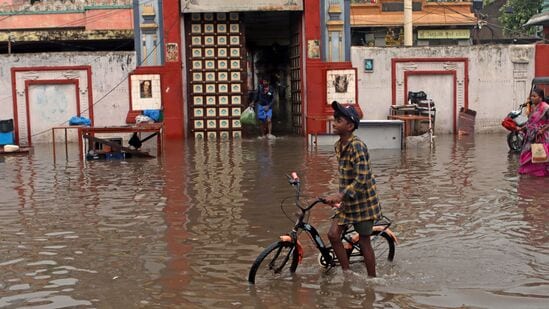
<point>536,131</point>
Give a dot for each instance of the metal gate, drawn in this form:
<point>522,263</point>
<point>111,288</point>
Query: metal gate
<point>295,77</point>
<point>216,74</point>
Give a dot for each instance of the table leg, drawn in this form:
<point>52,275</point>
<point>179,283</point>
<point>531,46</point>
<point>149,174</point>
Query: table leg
<point>80,144</point>
<point>53,142</point>
<point>90,144</point>
<point>159,142</point>
<point>66,146</point>
<point>408,124</point>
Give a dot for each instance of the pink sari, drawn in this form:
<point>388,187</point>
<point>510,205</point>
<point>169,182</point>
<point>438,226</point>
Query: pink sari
<point>537,119</point>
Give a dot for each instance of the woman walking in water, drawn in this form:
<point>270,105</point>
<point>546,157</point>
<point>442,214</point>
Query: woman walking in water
<point>537,131</point>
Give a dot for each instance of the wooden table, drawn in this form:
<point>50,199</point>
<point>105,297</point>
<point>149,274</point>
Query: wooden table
<point>65,128</point>
<point>21,151</point>
<point>139,128</point>
<point>327,120</point>
<point>408,121</point>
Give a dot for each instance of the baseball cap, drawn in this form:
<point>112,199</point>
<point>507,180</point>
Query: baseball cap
<point>347,111</point>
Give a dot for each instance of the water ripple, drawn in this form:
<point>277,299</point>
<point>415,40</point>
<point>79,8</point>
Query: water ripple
<point>183,230</point>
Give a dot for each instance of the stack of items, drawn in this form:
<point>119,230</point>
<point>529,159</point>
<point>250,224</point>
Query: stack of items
<point>6,136</point>
<point>426,108</point>
<point>466,121</point>
<point>418,105</point>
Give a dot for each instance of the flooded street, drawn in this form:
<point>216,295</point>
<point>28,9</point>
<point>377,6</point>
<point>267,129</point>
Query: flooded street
<point>182,231</point>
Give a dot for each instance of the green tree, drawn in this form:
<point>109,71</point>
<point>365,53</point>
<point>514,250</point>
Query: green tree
<point>516,13</point>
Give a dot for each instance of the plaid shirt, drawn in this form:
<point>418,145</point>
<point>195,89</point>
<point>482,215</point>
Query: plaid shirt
<point>356,182</point>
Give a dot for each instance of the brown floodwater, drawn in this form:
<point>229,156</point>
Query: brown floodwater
<point>182,231</point>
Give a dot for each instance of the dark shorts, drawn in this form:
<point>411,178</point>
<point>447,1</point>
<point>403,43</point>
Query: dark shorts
<point>364,228</point>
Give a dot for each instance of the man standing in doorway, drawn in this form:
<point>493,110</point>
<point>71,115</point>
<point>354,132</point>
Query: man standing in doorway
<point>264,100</point>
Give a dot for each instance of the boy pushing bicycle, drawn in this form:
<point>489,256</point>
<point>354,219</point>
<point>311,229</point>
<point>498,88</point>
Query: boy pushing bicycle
<point>356,202</point>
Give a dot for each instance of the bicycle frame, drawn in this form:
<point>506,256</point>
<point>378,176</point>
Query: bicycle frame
<point>289,243</point>
<point>380,226</point>
<point>313,234</point>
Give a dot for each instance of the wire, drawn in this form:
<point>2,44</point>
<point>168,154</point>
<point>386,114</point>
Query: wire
<point>76,21</point>
<point>83,45</point>
<point>117,85</point>
<point>511,32</point>
<point>439,14</point>
<point>490,26</point>
<point>455,11</point>
<point>89,19</point>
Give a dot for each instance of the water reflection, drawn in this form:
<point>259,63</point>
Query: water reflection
<point>182,230</point>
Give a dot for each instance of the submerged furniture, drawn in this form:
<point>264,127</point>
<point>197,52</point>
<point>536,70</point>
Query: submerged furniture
<point>326,120</point>
<point>377,134</point>
<point>88,133</point>
<point>381,134</point>
<point>65,129</point>
<point>6,132</point>
<point>415,116</point>
<point>20,151</point>
<point>408,121</point>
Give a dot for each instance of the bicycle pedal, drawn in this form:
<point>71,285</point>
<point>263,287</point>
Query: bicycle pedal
<point>329,268</point>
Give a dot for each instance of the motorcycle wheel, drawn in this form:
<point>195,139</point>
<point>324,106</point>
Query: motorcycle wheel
<point>515,140</point>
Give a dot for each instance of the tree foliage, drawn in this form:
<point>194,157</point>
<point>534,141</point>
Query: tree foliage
<point>515,13</point>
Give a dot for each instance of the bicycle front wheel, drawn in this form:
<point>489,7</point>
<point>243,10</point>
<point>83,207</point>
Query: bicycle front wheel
<point>278,260</point>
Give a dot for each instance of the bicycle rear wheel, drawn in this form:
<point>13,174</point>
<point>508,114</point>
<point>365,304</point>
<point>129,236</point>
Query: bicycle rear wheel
<point>278,260</point>
<point>383,245</point>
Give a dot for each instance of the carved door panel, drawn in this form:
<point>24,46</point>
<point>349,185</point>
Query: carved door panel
<point>295,78</point>
<point>216,75</point>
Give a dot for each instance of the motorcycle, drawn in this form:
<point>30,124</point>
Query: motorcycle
<point>514,122</point>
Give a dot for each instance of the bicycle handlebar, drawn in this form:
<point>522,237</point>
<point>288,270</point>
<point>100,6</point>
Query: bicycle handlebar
<point>293,178</point>
<point>318,200</point>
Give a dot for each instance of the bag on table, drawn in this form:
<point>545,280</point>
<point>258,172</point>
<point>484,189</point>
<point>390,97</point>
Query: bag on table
<point>248,116</point>
<point>540,153</point>
<point>154,114</point>
<point>143,119</point>
<point>79,121</point>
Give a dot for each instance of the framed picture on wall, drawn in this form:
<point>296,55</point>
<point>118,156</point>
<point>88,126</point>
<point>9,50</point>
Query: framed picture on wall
<point>341,86</point>
<point>145,92</point>
<point>172,52</point>
<point>368,65</point>
<point>313,49</point>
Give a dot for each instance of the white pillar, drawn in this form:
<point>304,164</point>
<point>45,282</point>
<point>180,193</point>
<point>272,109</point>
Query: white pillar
<point>408,23</point>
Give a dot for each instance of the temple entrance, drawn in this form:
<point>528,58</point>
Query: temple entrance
<point>273,51</point>
<point>228,54</point>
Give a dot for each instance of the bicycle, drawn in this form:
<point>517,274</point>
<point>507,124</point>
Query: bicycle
<point>283,256</point>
